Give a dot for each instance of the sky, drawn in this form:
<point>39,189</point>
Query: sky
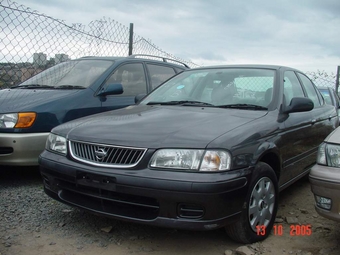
<point>303,34</point>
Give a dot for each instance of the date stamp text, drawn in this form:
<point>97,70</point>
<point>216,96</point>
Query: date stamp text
<point>294,230</point>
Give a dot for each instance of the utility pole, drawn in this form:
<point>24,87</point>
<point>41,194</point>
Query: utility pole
<point>131,39</point>
<point>337,80</point>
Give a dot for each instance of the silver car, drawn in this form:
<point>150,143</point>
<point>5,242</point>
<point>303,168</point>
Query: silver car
<point>325,177</point>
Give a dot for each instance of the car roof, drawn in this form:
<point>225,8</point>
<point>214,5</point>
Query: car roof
<point>275,67</point>
<point>334,136</point>
<point>138,57</point>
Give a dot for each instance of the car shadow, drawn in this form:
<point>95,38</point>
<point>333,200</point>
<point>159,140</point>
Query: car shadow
<point>11,174</point>
<point>295,189</point>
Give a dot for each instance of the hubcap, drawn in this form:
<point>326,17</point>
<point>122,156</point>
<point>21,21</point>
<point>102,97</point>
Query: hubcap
<point>261,203</point>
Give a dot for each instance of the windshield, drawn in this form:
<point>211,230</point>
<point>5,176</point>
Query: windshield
<point>71,74</point>
<point>222,87</point>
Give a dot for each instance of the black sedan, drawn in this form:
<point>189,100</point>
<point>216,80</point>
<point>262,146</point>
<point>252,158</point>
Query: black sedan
<point>209,148</point>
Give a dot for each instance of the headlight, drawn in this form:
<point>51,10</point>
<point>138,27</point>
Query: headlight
<point>17,120</point>
<point>333,155</point>
<point>56,143</point>
<point>199,160</point>
<point>8,120</point>
<point>329,155</point>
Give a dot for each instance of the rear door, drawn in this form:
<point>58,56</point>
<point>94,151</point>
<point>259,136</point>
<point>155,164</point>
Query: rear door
<point>325,117</point>
<point>297,138</point>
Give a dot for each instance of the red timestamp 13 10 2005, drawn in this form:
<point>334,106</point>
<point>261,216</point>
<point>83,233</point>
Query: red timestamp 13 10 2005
<point>294,230</point>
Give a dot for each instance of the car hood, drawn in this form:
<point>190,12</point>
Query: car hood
<point>19,100</point>
<point>157,126</point>
<point>334,136</point>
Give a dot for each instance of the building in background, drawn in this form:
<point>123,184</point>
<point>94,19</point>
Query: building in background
<point>58,58</point>
<point>39,59</point>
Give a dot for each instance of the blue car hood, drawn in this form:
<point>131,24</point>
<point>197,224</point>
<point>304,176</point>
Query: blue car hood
<point>20,100</point>
<point>158,126</point>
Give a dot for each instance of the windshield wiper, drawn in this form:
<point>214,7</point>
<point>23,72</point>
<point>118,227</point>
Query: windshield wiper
<point>69,87</point>
<point>33,86</point>
<point>243,106</point>
<point>182,102</point>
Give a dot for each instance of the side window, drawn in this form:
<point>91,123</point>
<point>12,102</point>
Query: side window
<point>327,96</point>
<point>132,78</point>
<point>310,89</point>
<point>291,87</point>
<point>337,99</point>
<point>159,74</point>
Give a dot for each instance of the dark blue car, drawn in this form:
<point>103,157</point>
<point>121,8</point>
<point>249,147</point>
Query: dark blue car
<point>68,91</point>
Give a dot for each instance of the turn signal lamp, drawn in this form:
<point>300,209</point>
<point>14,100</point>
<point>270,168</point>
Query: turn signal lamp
<point>25,119</point>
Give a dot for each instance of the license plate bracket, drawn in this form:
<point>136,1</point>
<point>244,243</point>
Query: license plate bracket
<point>96,181</point>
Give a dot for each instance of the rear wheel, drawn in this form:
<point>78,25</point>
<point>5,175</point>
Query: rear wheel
<point>259,211</point>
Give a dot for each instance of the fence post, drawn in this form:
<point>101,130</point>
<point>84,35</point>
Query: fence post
<point>337,80</point>
<point>131,39</point>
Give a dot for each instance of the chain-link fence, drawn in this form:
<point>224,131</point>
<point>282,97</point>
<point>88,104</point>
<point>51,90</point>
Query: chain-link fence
<point>31,42</point>
<point>323,79</point>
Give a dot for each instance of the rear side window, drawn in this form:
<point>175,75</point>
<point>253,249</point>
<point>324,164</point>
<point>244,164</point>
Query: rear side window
<point>310,89</point>
<point>159,74</point>
<point>292,87</point>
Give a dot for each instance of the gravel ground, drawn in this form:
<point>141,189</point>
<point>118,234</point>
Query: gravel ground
<point>33,223</point>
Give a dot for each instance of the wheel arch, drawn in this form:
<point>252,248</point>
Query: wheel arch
<point>273,160</point>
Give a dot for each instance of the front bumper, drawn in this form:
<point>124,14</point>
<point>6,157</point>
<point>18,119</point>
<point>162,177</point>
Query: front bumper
<point>200,201</point>
<point>325,182</point>
<point>21,149</point>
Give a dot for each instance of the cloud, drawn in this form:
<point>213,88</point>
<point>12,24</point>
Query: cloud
<point>302,33</point>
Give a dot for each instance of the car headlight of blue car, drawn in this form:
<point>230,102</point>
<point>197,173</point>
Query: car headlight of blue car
<point>17,120</point>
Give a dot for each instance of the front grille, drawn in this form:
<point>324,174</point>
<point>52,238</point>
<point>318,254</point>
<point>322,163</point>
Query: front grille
<point>106,155</point>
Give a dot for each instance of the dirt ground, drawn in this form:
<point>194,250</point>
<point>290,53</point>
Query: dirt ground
<point>65,230</point>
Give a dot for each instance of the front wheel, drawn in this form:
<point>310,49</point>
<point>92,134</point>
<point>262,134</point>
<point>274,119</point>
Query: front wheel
<point>260,207</point>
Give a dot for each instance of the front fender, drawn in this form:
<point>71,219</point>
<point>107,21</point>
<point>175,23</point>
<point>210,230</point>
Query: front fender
<point>266,151</point>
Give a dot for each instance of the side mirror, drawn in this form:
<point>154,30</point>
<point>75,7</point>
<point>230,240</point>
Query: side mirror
<point>299,104</point>
<point>139,97</point>
<point>111,89</point>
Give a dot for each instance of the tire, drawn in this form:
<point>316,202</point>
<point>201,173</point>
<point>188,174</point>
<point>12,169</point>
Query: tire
<point>259,209</point>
